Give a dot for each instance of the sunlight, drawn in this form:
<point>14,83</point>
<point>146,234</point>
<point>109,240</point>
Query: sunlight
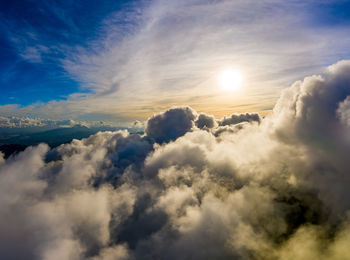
<point>230,79</point>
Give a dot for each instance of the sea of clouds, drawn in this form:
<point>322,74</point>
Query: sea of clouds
<point>192,187</point>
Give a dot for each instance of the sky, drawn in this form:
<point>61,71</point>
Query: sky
<point>118,61</point>
<point>234,135</point>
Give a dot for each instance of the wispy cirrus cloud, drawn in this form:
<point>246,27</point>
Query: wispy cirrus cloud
<point>179,48</point>
<point>152,55</point>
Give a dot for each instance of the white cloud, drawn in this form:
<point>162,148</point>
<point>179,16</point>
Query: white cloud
<point>274,190</point>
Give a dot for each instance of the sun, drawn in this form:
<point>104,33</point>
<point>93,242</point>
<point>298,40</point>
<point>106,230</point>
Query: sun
<point>230,79</point>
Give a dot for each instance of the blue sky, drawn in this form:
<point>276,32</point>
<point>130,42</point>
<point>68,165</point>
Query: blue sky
<point>36,36</point>
<point>124,60</point>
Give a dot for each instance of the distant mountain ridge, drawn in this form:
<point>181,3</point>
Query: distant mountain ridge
<point>52,137</point>
<point>16,140</point>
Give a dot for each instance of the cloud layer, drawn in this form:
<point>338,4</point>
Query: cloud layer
<point>192,187</point>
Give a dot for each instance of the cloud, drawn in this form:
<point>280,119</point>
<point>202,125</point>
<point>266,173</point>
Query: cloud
<point>205,121</point>
<point>205,37</point>
<point>171,124</point>
<point>160,54</point>
<point>277,189</point>
<point>28,122</point>
<point>239,118</point>
<point>228,129</point>
<point>23,122</point>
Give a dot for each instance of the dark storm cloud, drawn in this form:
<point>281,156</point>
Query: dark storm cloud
<point>277,189</point>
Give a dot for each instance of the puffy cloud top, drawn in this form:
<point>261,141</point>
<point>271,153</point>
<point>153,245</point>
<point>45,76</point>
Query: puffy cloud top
<point>171,124</point>
<point>205,121</point>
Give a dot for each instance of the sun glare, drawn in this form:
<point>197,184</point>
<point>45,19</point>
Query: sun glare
<point>230,79</point>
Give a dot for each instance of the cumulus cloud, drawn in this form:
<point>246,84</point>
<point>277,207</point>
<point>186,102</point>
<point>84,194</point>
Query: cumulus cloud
<point>239,118</point>
<point>171,124</point>
<point>228,129</point>
<point>249,188</point>
<point>205,121</point>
